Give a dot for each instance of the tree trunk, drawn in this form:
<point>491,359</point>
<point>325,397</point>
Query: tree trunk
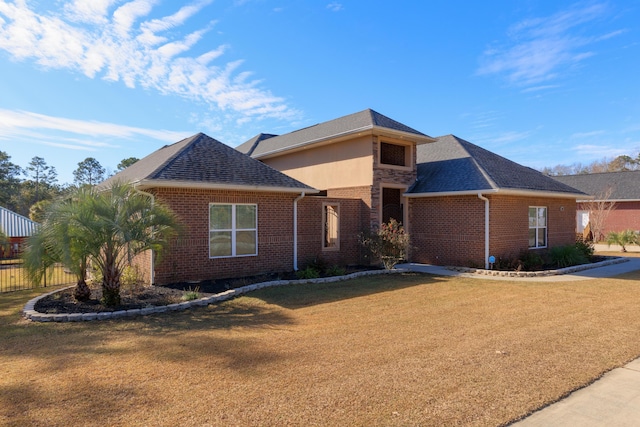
<point>82,291</point>
<point>111,286</point>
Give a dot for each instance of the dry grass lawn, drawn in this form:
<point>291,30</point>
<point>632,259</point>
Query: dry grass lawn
<point>386,350</point>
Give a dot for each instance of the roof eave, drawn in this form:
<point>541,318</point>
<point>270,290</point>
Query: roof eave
<point>156,183</point>
<point>502,191</point>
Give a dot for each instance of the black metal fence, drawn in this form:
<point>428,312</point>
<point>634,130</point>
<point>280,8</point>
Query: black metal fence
<point>13,276</point>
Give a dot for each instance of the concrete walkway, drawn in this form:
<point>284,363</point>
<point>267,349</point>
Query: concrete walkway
<point>613,400</point>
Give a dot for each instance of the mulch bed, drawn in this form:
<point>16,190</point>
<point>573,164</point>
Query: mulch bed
<point>147,296</point>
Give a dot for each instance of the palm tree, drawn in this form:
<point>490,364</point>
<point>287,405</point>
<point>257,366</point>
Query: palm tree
<point>622,238</point>
<point>108,228</point>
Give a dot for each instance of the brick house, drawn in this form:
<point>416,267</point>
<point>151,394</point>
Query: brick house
<point>278,202</point>
<point>620,188</point>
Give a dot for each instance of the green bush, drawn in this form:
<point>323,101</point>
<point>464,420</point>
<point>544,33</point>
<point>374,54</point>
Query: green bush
<point>622,238</point>
<point>567,256</point>
<point>389,243</point>
<point>586,248</point>
<point>308,273</point>
<point>335,270</point>
<point>191,294</point>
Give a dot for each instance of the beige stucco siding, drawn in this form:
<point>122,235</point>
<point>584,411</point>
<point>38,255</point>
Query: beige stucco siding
<point>344,164</point>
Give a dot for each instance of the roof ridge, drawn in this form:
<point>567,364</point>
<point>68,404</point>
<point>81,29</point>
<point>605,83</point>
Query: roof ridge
<point>171,159</point>
<point>481,168</point>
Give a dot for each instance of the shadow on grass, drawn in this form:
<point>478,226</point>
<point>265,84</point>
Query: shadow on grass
<point>299,296</point>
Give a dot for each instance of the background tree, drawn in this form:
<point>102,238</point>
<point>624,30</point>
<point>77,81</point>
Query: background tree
<point>43,177</point>
<point>89,172</point>
<point>125,163</point>
<point>9,182</point>
<point>599,209</point>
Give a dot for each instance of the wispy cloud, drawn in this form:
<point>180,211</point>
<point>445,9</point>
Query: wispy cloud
<point>591,134</point>
<point>541,49</point>
<point>74,134</point>
<point>335,6</point>
<point>121,42</point>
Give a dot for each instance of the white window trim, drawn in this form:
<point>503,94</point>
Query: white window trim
<point>537,228</point>
<point>324,222</point>
<point>233,230</point>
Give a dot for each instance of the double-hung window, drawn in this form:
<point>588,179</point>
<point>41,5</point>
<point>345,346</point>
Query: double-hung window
<point>233,230</point>
<point>537,227</point>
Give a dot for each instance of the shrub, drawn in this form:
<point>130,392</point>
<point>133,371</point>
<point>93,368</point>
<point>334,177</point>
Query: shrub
<point>567,256</point>
<point>389,243</point>
<point>308,273</point>
<point>191,294</point>
<point>622,238</point>
<point>586,248</point>
<point>335,270</point>
<point>530,261</point>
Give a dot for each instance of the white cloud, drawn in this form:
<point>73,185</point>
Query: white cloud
<point>541,49</point>
<point>125,44</point>
<point>72,133</point>
<point>591,134</point>
<point>335,6</point>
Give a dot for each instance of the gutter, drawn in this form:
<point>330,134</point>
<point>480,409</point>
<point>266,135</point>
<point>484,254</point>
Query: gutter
<point>152,270</point>
<point>295,231</point>
<point>486,230</point>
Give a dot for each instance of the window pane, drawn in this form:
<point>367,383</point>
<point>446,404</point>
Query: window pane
<point>532,217</point>
<point>246,243</point>
<point>220,217</point>
<point>220,243</point>
<point>330,226</point>
<point>542,237</point>
<point>542,217</point>
<point>245,216</point>
<point>532,237</point>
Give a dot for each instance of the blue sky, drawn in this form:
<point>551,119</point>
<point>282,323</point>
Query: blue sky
<point>539,82</point>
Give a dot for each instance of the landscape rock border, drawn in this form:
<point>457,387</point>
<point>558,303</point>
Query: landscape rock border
<point>543,273</point>
<point>30,313</point>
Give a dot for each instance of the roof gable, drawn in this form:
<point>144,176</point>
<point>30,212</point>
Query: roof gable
<point>624,185</point>
<point>363,121</point>
<point>203,161</point>
<point>452,165</point>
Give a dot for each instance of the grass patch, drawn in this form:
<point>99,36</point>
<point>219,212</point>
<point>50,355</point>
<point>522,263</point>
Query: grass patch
<point>382,350</point>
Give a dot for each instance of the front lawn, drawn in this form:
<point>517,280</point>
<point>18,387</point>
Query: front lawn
<point>384,350</point>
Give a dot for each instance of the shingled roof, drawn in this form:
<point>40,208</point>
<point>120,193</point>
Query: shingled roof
<point>366,121</point>
<point>452,165</point>
<point>203,162</point>
<point>625,186</point>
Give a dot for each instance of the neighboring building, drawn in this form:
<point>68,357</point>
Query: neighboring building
<point>17,228</point>
<point>620,188</point>
<point>279,202</point>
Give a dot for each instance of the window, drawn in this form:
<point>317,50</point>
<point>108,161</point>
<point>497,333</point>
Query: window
<point>233,230</point>
<point>392,154</point>
<point>537,227</point>
<point>331,227</point>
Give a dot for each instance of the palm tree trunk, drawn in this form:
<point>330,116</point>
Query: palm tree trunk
<point>111,284</point>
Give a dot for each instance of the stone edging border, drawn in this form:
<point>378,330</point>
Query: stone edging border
<point>30,313</point>
<point>567,270</point>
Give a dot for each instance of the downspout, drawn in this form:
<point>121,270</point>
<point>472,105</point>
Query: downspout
<point>152,272</point>
<point>486,230</point>
<point>295,231</point>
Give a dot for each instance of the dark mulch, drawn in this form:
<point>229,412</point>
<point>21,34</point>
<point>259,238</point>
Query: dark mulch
<point>64,302</point>
<point>146,296</point>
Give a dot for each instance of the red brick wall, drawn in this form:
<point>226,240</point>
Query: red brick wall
<point>450,230</point>
<point>188,259</point>
<point>310,231</point>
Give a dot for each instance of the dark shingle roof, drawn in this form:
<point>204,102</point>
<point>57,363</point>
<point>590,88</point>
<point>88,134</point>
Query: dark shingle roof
<point>624,185</point>
<point>248,147</point>
<point>203,161</point>
<point>452,165</point>
<point>366,120</point>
